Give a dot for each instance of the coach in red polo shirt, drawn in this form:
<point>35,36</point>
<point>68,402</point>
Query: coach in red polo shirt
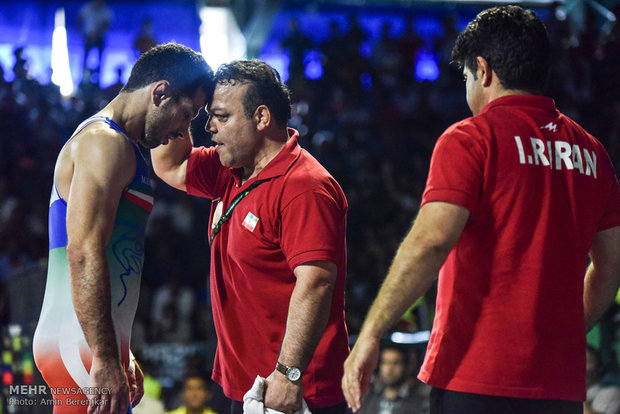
<point>278,253</point>
<point>517,197</point>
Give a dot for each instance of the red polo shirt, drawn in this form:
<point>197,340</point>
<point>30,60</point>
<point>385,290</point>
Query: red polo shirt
<point>297,216</point>
<point>509,318</point>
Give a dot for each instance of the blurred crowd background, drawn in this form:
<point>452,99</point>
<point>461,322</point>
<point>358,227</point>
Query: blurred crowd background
<point>372,89</point>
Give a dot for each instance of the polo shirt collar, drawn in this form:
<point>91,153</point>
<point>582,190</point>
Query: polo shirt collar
<point>542,102</point>
<point>280,164</point>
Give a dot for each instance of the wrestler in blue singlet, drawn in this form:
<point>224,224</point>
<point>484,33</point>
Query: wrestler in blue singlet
<point>60,349</point>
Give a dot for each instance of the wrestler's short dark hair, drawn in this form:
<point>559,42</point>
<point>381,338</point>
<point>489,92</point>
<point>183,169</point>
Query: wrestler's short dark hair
<point>184,69</point>
<point>513,41</point>
<point>264,87</point>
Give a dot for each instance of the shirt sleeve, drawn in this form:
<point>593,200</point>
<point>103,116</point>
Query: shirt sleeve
<point>456,172</point>
<point>611,216</point>
<point>203,168</point>
<point>313,227</point>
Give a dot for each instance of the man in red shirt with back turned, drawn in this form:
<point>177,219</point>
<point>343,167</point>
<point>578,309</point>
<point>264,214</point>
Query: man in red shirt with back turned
<point>278,253</point>
<point>517,197</point>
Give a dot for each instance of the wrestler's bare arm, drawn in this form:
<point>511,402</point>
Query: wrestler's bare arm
<point>102,167</point>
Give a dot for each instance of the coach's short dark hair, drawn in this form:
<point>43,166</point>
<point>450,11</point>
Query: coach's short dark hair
<point>513,41</point>
<point>264,87</point>
<point>184,69</point>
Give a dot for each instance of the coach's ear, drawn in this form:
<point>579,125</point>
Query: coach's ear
<point>262,117</point>
<point>484,71</point>
<point>161,92</point>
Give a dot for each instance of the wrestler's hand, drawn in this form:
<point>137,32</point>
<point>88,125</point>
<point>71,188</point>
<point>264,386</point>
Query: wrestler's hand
<point>135,377</point>
<point>108,377</point>
<point>281,394</point>
<point>358,368</point>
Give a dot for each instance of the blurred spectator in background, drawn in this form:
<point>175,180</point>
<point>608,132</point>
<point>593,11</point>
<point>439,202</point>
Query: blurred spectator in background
<point>111,91</point>
<point>394,390</point>
<point>443,44</point>
<point>144,40</point>
<point>409,43</point>
<point>386,58</point>
<point>607,355</point>
<point>94,20</point>
<point>20,68</point>
<point>296,43</point>
<point>23,84</point>
<point>151,401</point>
<point>173,307</point>
<point>601,397</point>
<point>332,50</point>
<point>353,37</point>
<point>196,396</point>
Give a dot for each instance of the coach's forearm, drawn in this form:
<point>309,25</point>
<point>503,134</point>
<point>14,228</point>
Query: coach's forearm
<point>416,264</point>
<point>602,277</point>
<point>411,274</point>
<point>308,313</point>
<point>170,161</point>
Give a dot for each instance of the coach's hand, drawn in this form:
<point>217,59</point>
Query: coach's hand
<point>108,377</point>
<point>358,368</point>
<point>281,394</point>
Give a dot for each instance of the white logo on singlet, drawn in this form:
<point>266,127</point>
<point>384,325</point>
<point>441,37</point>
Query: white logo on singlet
<point>147,181</point>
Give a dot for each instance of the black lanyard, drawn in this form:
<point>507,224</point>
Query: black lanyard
<point>232,206</point>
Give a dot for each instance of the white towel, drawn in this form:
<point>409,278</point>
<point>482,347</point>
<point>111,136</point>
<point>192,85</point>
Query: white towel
<point>253,400</point>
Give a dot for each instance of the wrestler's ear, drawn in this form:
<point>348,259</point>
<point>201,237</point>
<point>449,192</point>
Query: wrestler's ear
<point>160,92</point>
